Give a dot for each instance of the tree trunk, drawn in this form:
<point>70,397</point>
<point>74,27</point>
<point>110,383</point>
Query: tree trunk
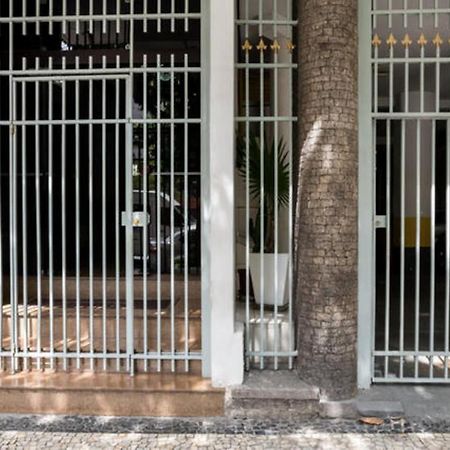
<point>326,211</point>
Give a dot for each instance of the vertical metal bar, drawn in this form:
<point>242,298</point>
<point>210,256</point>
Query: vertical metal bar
<point>291,199</point>
<point>91,220</point>
<point>158,12</point>
<point>172,210</point>
<point>447,250</point>
<point>405,15</point>
<point>77,14</point>
<point>64,15</point>
<point>77,217</point>
<point>50,221</point>
<point>433,240</point>
<point>50,16</point>
<point>63,216</point>
<point>13,225</point>
<point>276,149</point>
<point>186,11</point>
<point>145,229</point>
<point>129,231</point>
<point>421,14</point>
<point>38,13</point>
<point>247,190</point>
<point>418,244</point>
<point>261,205</point>
<point>91,13</point>
<point>118,16</point>
<point>388,247</point>
<point>158,209</point>
<point>436,15</point>
<point>104,207</point>
<point>117,211</point>
<point>38,222</point>
<point>172,20</point>
<point>24,14</point>
<point>402,238</point>
<point>145,24</point>
<point>186,214</point>
<point>104,10</point>
<point>24,224</point>
<point>390,14</point>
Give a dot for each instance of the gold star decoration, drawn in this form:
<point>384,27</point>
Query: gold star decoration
<point>247,46</point>
<point>437,41</point>
<point>422,40</point>
<point>275,46</point>
<point>261,45</point>
<point>391,41</point>
<point>407,41</point>
<point>376,41</point>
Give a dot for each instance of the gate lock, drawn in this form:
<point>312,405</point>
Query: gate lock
<point>139,219</point>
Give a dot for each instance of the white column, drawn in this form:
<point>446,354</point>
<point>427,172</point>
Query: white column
<point>222,337</point>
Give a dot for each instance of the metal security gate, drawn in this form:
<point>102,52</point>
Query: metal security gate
<point>100,185</point>
<point>411,139</point>
<point>265,68</point>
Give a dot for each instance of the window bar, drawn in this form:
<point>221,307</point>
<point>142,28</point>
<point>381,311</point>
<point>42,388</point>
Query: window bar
<point>38,13</point>
<point>186,12</point>
<point>77,15</point>
<point>118,16</point>
<point>172,211</point>
<point>145,21</point>
<point>186,214</point>
<point>418,242</point>
<point>391,78</point>
<point>91,219</point>
<point>117,209</point>
<point>63,216</point>
<point>436,15</point>
<point>64,14</point>
<point>247,188</point>
<point>402,237</point>
<point>158,12</point>
<point>405,15</point>
<point>91,13</point>
<point>388,246</point>
<point>130,304</point>
<point>406,78</point>
<point>24,224</point>
<point>50,16</point>
<point>50,219</point>
<point>447,252</point>
<point>420,13</point>
<point>172,20</point>
<point>433,243</point>
<point>158,209</point>
<point>77,216</point>
<point>38,222</point>
<point>24,14</point>
<point>104,206</point>
<point>261,206</point>
<point>13,228</point>
<point>390,14</point>
<point>105,12</point>
<point>291,205</point>
<point>276,205</point>
<point>145,229</point>
<point>374,240</point>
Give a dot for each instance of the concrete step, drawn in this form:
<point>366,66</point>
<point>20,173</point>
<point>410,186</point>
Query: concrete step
<point>269,394</point>
<point>157,395</point>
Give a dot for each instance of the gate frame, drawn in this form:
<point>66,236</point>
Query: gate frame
<point>366,201</point>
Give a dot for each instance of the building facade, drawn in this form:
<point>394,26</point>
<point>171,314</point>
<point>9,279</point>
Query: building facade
<point>210,187</point>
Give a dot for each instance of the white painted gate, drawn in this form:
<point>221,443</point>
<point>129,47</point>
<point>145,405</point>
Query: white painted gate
<point>100,127</point>
<point>411,141</point>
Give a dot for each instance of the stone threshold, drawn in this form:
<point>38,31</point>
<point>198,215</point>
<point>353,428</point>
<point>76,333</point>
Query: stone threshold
<point>110,394</point>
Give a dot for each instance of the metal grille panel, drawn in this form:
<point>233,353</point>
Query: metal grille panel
<point>411,129</point>
<point>100,185</point>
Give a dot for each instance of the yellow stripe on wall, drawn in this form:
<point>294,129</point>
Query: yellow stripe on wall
<point>410,232</point>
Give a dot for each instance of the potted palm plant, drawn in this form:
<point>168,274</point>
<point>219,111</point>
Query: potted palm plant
<point>268,270</point>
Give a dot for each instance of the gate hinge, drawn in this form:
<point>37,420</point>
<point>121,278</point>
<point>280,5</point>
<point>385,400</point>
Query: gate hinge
<point>380,222</point>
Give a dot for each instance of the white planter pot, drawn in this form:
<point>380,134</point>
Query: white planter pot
<point>268,295</point>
